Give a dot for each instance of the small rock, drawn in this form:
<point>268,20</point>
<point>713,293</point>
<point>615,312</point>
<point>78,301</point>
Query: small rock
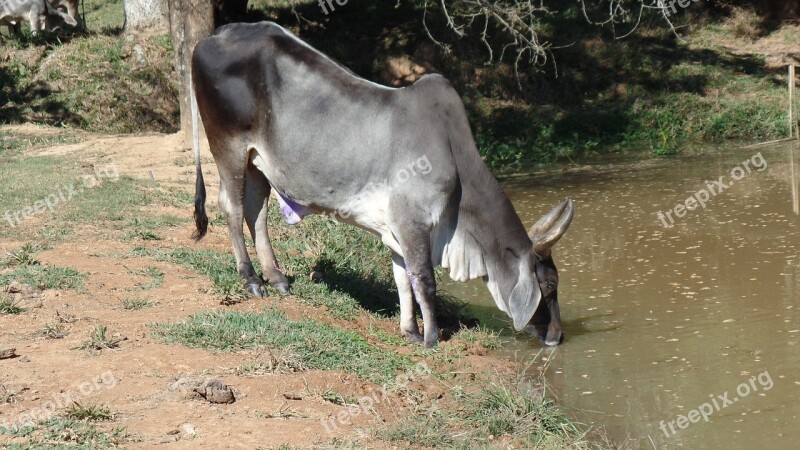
<point>292,396</point>
<point>8,353</point>
<point>138,51</point>
<point>189,430</point>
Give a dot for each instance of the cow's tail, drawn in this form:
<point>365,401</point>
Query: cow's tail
<point>200,217</point>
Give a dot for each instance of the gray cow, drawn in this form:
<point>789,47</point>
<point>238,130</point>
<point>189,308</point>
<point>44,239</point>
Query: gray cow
<point>40,14</point>
<point>400,163</point>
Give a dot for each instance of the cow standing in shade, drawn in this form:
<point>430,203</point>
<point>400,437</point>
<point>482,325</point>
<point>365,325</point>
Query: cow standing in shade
<point>280,115</point>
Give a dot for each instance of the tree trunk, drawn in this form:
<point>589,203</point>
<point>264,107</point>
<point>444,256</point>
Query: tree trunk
<point>140,14</point>
<point>228,11</point>
<point>779,9</point>
<point>190,21</point>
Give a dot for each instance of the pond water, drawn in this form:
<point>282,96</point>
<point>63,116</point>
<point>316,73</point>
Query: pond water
<point>662,321</point>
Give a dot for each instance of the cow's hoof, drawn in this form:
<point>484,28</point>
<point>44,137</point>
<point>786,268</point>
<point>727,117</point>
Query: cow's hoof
<point>552,342</point>
<point>414,337</point>
<point>281,286</point>
<point>431,343</point>
<point>255,289</point>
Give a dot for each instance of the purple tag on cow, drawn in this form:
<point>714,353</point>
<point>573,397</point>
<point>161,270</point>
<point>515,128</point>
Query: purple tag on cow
<point>292,212</point>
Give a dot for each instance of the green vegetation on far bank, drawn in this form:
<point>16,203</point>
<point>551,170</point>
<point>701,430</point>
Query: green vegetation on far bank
<point>600,94</point>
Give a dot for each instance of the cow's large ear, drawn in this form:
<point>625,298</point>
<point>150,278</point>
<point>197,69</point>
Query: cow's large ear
<point>525,297</point>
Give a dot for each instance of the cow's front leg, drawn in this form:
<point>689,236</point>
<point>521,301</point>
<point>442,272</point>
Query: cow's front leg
<point>408,321</point>
<point>414,236</point>
<point>35,22</point>
<point>423,283</point>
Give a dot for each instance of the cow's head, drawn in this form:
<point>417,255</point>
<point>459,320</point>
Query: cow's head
<point>533,299</point>
<point>546,321</point>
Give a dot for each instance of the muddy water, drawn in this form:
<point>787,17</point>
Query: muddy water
<point>661,320</point>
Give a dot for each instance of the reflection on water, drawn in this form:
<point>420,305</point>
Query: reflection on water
<point>659,320</point>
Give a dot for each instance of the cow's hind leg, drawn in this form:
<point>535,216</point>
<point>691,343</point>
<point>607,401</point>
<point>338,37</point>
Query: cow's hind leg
<point>232,165</point>
<point>408,321</point>
<point>256,200</point>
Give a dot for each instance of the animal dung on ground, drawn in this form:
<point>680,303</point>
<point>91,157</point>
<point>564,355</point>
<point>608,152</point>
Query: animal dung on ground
<point>215,391</point>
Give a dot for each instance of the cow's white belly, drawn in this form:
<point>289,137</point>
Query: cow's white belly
<point>367,210</point>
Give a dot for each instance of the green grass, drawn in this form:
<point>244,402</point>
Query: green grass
<point>11,144</point>
<point>64,433</point>
<point>24,256</point>
<point>67,83</point>
<point>21,266</point>
<point>9,306</point>
<point>52,331</point>
<point>318,345</point>
<point>491,415</point>
<point>99,340</point>
<point>218,266</point>
<point>135,304</point>
<point>92,413</point>
<point>147,228</point>
<point>44,277</point>
<point>485,337</point>
<point>155,274</point>
<point>115,201</point>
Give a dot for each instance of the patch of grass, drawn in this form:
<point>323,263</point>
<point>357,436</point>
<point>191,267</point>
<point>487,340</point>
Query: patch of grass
<point>134,304</point>
<point>319,346</point>
<point>52,331</point>
<point>487,338</point>
<point>12,144</point>
<point>147,228</point>
<point>514,416</point>
<point>155,274</point>
<point>9,306</point>
<point>331,396</point>
<point>274,361</point>
<point>24,256</point>
<point>68,84</point>
<point>60,433</point>
<point>44,277</point>
<point>100,340</point>
<point>92,413</point>
<point>388,338</point>
<point>219,267</point>
<point>63,201</point>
